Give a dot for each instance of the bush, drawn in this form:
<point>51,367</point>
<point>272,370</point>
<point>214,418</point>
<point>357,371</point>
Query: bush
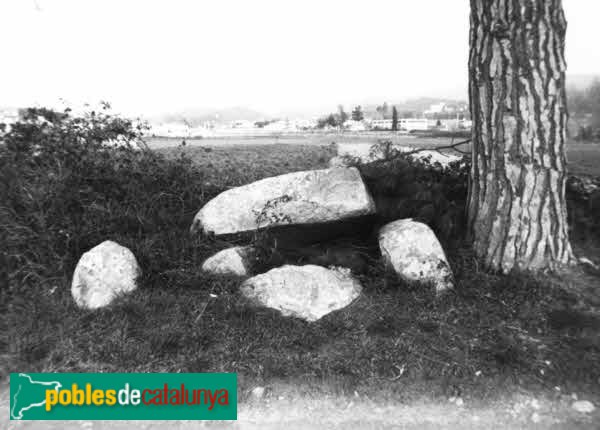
<point>583,198</point>
<point>69,183</point>
<point>406,187</point>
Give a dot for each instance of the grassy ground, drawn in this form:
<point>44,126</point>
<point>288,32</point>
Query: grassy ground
<point>233,164</point>
<point>494,331</point>
<point>584,158</point>
<point>300,139</point>
<point>495,334</point>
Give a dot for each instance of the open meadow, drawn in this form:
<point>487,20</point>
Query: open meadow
<point>584,158</point>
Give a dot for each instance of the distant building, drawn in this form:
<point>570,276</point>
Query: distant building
<point>169,130</point>
<point>175,129</point>
<point>382,124</point>
<point>242,123</point>
<point>354,125</point>
<point>466,124</point>
<point>410,124</point>
<point>305,124</point>
<point>444,109</point>
<point>406,124</point>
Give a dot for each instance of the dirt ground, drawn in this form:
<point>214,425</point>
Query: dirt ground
<point>283,406</point>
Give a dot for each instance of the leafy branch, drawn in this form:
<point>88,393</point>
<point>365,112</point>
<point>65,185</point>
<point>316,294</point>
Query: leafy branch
<point>454,146</point>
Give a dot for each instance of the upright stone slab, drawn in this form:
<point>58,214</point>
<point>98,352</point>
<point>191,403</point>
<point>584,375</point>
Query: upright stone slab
<point>308,292</point>
<point>231,261</point>
<point>308,197</point>
<point>414,252</point>
<point>102,274</point>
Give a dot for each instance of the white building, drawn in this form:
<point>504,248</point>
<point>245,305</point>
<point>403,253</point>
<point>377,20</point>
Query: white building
<point>410,124</point>
<point>447,108</point>
<point>406,124</point>
<point>178,130</point>
<point>354,125</point>
<point>384,124</point>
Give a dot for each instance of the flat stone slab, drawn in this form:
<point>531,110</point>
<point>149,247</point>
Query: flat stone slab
<point>308,197</point>
<point>308,292</point>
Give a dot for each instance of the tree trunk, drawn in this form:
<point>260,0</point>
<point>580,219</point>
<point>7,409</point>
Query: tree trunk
<point>517,208</point>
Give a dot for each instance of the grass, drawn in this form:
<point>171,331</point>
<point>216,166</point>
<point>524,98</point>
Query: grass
<point>494,333</point>
<point>238,163</point>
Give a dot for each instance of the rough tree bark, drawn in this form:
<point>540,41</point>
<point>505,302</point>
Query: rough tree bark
<point>517,208</point>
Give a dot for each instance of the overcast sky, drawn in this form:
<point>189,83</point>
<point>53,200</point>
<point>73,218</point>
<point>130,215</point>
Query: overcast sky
<point>155,56</point>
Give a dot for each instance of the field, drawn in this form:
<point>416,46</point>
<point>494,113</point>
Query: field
<point>495,336</point>
<point>584,158</point>
<point>302,139</point>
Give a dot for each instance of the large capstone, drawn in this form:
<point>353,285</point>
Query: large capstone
<point>414,252</point>
<point>308,292</point>
<point>234,261</point>
<point>102,274</point>
<point>309,197</point>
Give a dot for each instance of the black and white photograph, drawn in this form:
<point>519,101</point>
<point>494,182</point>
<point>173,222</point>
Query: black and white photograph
<point>299,214</point>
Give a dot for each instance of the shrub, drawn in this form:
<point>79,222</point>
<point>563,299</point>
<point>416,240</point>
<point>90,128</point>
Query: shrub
<point>583,198</point>
<point>406,187</point>
<point>70,182</point>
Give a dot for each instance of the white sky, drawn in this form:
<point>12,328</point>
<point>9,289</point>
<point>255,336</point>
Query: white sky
<point>147,56</point>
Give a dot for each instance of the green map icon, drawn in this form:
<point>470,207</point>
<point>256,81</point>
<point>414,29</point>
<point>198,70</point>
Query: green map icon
<point>27,393</point>
<point>85,396</point>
